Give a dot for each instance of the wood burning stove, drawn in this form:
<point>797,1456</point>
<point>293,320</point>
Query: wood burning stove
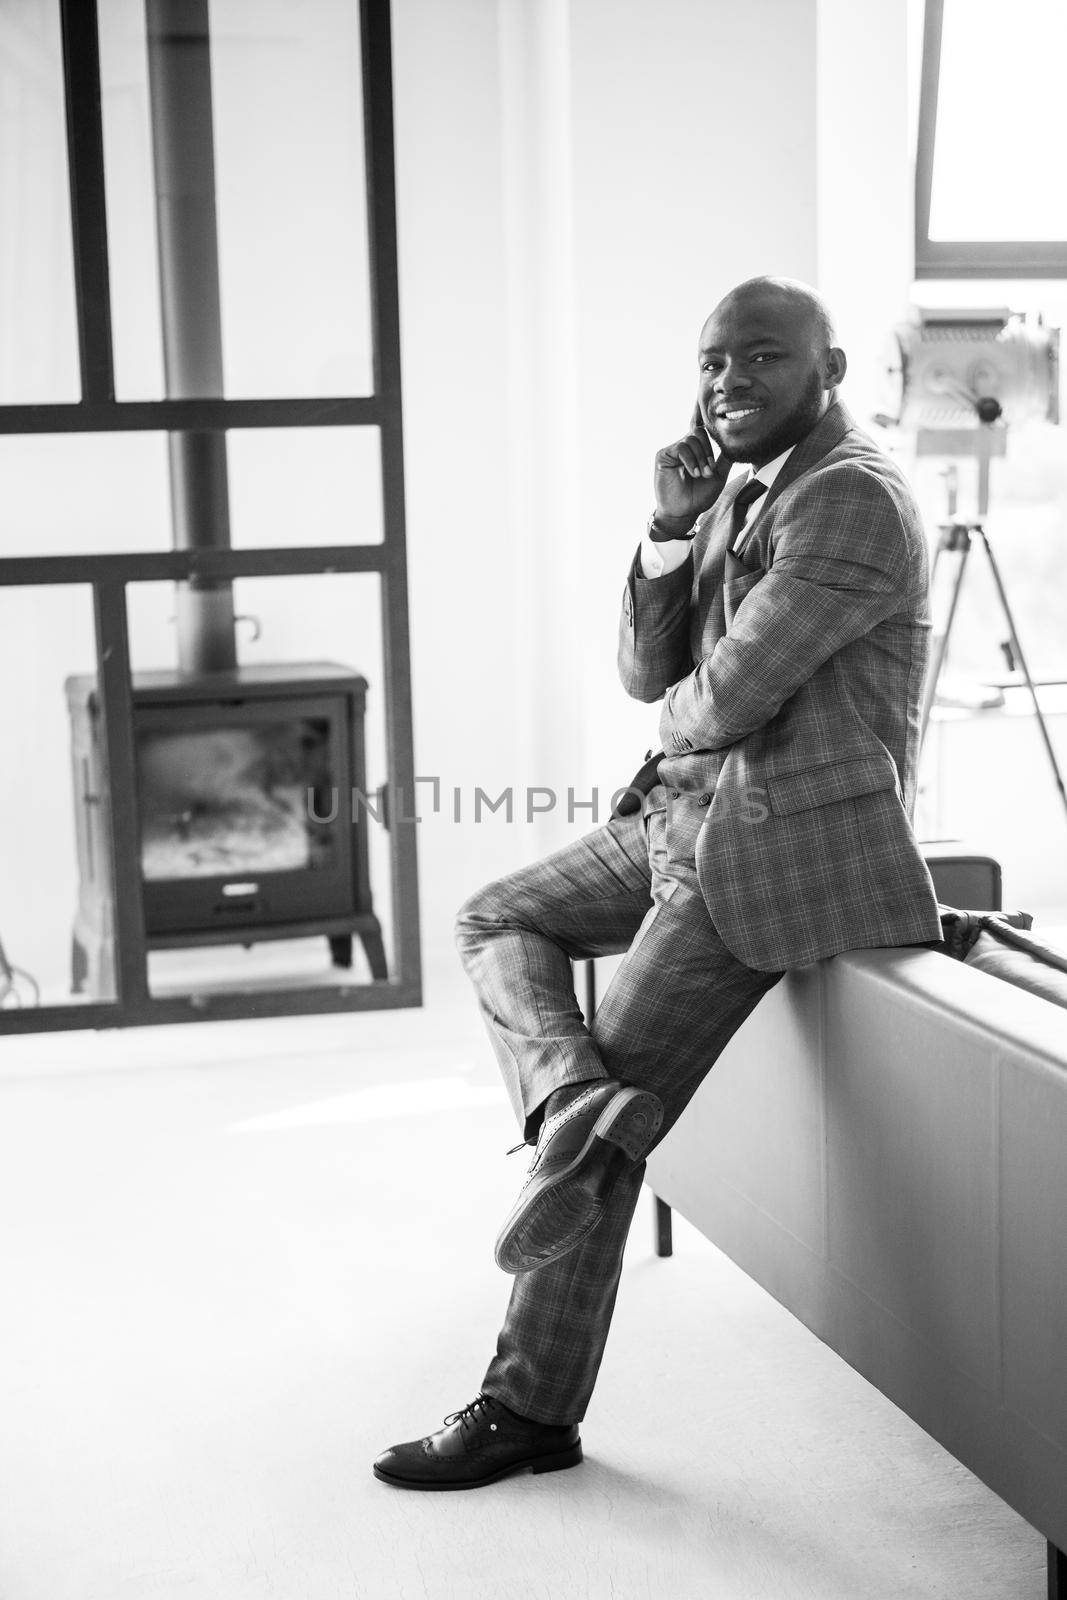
<point>247,825</point>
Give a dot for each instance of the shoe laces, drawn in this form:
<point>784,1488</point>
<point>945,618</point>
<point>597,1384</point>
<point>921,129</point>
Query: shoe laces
<point>479,1410</point>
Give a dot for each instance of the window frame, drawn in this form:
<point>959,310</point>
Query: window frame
<point>964,258</point>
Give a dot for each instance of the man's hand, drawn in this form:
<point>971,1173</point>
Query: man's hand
<point>687,479</point>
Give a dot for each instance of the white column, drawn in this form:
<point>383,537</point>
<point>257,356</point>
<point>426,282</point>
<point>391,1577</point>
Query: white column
<point>542,514</point>
<point>865,187</point>
<point>693,169</point>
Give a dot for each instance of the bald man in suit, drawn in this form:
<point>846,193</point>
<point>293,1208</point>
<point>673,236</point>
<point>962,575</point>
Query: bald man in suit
<point>780,613</point>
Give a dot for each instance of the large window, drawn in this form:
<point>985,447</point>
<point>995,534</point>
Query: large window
<point>991,195</point>
<point>201,450</point>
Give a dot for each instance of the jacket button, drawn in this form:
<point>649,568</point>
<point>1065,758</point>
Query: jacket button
<point>704,800</point>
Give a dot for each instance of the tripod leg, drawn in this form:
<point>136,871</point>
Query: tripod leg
<point>1017,652</point>
<point>956,540</point>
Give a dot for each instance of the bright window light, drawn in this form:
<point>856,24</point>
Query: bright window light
<point>1000,152</point>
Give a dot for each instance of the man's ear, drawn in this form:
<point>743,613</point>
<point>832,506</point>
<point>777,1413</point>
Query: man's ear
<point>834,367</point>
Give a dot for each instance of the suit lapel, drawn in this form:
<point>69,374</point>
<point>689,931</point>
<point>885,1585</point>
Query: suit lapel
<point>718,567</point>
<point>826,434</point>
<point>824,437</point>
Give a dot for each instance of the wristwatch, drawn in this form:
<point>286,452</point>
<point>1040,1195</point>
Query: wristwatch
<point>661,535</point>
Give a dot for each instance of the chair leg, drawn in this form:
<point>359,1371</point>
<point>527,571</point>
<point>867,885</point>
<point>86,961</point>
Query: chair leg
<point>665,1241</point>
<point>590,993</point>
<point>1057,1573</point>
<point>375,952</point>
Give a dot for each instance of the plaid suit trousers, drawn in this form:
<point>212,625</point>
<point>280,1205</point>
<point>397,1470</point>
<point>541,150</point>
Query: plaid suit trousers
<point>676,999</point>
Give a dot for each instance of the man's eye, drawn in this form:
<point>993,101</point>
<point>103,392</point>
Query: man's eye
<point>766,355</point>
<point>710,366</point>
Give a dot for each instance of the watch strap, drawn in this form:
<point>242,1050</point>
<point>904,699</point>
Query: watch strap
<point>660,531</point>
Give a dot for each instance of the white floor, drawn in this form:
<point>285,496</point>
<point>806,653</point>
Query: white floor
<point>240,1259</point>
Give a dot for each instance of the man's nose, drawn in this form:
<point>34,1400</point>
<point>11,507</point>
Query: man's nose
<point>730,377</point>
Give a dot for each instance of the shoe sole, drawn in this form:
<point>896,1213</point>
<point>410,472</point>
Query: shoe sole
<point>558,1461</point>
<point>555,1216</point>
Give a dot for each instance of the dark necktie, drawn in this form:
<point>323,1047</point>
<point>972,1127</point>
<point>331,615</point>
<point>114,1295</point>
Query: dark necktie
<point>739,508</point>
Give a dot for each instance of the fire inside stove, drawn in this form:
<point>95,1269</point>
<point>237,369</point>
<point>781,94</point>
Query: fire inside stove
<point>245,822</point>
<point>227,800</point>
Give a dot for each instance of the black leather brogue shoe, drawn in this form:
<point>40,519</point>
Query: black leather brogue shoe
<point>483,1442</point>
<point>581,1153</point>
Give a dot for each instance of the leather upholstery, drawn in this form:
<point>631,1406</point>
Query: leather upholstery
<point>882,1146</point>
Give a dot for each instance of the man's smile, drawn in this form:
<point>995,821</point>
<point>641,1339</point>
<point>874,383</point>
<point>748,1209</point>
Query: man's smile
<point>737,413</point>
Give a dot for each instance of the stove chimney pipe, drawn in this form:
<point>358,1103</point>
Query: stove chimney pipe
<point>183,149</point>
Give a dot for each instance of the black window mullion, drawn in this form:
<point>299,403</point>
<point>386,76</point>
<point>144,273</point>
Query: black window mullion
<point>119,786</point>
<point>130,416</point>
<point>378,143</point>
<point>85,156</point>
<point>381,195</point>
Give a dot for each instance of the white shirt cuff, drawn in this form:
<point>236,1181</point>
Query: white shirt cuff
<point>659,559</point>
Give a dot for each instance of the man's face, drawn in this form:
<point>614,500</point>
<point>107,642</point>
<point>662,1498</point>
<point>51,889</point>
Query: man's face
<point>764,381</point>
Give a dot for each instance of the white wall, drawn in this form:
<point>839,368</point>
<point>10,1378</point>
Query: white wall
<point>464,563</point>
<point>694,159</point>
<point>865,208</point>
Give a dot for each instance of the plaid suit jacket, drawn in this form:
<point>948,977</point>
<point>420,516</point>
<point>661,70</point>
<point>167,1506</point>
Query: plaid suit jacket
<point>791,682</point>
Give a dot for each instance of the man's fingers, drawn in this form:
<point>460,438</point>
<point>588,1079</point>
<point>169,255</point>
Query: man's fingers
<point>686,458</point>
<point>694,453</point>
<point>692,456</point>
<point>698,426</point>
<point>687,480</point>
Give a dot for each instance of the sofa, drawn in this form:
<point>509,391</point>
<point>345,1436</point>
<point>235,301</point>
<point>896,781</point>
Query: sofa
<point>883,1147</point>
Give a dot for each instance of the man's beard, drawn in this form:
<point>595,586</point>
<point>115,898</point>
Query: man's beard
<point>792,428</point>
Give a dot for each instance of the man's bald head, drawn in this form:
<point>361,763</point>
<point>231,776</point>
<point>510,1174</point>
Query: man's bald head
<point>788,296</point>
<point>768,367</point>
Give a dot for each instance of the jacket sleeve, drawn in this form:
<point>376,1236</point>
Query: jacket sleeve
<point>654,630</point>
<point>841,565</point>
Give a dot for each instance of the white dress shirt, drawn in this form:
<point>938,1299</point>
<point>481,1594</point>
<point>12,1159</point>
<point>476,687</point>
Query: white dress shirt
<point>659,559</point>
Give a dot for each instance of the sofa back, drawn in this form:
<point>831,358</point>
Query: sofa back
<point>883,1146</point>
